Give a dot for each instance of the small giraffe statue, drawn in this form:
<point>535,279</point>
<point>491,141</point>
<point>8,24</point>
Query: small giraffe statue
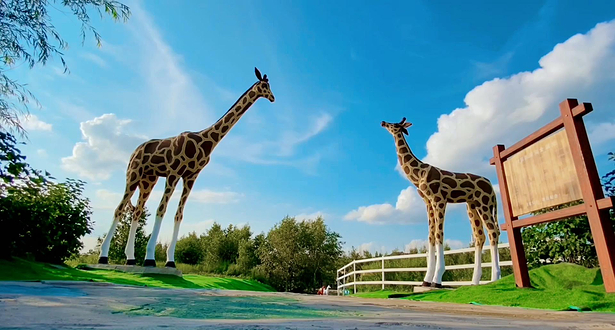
<point>182,156</point>
<point>438,187</point>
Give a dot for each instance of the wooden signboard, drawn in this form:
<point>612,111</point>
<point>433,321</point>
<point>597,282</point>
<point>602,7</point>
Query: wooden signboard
<point>552,166</point>
<point>542,175</point>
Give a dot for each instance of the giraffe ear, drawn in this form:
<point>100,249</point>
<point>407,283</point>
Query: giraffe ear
<point>405,131</point>
<point>258,74</point>
<point>406,125</point>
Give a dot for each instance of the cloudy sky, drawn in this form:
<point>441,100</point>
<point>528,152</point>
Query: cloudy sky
<point>468,75</point>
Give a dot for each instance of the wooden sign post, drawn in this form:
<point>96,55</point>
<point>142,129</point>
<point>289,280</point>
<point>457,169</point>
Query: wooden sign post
<point>550,167</point>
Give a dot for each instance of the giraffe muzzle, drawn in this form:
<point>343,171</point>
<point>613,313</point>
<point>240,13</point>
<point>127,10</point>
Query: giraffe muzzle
<point>382,123</point>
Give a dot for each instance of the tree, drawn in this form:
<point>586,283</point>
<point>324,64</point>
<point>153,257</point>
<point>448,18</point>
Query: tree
<point>189,250</point>
<point>117,248</point>
<point>27,35</point>
<point>39,218</point>
<point>160,254</point>
<point>299,256</point>
<point>569,240</point>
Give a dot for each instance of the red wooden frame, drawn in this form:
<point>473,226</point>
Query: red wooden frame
<point>595,205</point>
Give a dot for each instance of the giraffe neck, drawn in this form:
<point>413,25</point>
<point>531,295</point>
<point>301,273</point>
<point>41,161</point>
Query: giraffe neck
<point>407,160</point>
<point>219,130</point>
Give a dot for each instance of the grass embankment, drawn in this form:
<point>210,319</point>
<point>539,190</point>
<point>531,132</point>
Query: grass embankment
<point>22,270</point>
<point>556,287</point>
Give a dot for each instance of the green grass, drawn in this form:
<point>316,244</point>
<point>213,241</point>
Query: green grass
<point>382,294</point>
<point>22,270</point>
<point>556,287</point>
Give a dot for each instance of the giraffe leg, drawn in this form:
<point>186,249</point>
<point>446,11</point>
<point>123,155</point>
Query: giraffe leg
<point>479,242</point>
<point>439,229</point>
<point>188,182</point>
<point>145,189</point>
<point>488,214</point>
<point>162,209</point>
<point>431,257</point>
<point>131,186</point>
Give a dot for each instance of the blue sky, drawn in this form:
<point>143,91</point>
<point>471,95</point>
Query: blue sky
<point>468,75</point>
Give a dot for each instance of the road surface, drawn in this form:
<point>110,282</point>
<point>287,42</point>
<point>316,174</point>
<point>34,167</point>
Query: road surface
<point>84,305</point>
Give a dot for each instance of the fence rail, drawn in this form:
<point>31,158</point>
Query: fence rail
<point>343,275</point>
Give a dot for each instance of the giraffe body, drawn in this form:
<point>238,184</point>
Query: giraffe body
<point>437,188</point>
<point>174,158</point>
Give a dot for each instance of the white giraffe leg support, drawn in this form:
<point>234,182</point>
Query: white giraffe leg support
<point>150,253</point>
<point>495,263</point>
<point>171,249</point>
<point>104,249</point>
<point>478,270</point>
<point>431,263</point>
<point>437,278</point>
<point>130,244</point>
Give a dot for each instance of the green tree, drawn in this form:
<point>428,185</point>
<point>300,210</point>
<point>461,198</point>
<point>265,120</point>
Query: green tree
<point>27,35</point>
<point>160,254</point>
<point>39,218</point>
<point>189,250</point>
<point>569,240</point>
<point>299,256</point>
<point>120,238</point>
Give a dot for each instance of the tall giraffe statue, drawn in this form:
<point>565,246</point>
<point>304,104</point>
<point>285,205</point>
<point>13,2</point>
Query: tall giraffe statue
<point>179,157</point>
<point>437,188</point>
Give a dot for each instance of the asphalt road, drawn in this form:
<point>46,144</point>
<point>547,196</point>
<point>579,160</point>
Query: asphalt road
<point>83,305</point>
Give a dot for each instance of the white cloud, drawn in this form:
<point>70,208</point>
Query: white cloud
<point>280,150</point>
<point>409,209</point>
<point>416,244</point>
<point>95,59</point>
<point>371,247</point>
<point>601,133</point>
<point>108,200</point>
<point>214,197</point>
<point>503,111</point>
<point>32,123</point>
<point>107,147</point>
<point>310,216</point>
<point>491,69</point>
<point>42,153</point>
<point>171,91</point>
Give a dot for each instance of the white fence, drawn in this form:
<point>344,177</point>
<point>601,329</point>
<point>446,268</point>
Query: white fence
<point>343,275</point>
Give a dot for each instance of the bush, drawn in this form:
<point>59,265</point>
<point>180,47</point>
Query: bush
<point>40,219</point>
<point>189,250</point>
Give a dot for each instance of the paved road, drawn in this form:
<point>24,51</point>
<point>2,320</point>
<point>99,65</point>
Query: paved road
<point>83,305</point>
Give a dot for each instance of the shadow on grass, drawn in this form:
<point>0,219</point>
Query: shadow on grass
<point>23,270</point>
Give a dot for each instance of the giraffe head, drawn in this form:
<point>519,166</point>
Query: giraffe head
<point>262,86</point>
<point>395,128</point>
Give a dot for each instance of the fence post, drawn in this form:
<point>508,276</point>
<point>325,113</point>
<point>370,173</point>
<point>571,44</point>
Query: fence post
<point>382,272</point>
<point>354,274</point>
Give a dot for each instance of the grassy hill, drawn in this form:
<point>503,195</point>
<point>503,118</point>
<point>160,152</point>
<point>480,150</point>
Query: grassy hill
<point>556,287</point>
<point>22,270</point>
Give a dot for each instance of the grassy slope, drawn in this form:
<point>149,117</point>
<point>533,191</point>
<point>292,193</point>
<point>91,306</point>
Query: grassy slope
<point>556,287</point>
<point>22,270</point>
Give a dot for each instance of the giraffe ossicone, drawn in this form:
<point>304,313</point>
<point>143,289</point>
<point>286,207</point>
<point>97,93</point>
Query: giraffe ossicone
<point>439,187</point>
<point>174,158</point>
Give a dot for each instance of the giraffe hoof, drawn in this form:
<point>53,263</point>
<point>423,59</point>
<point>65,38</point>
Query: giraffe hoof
<point>170,264</point>
<point>149,263</point>
<point>436,285</point>
<point>426,284</point>
<point>103,260</point>
<point>131,262</point>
